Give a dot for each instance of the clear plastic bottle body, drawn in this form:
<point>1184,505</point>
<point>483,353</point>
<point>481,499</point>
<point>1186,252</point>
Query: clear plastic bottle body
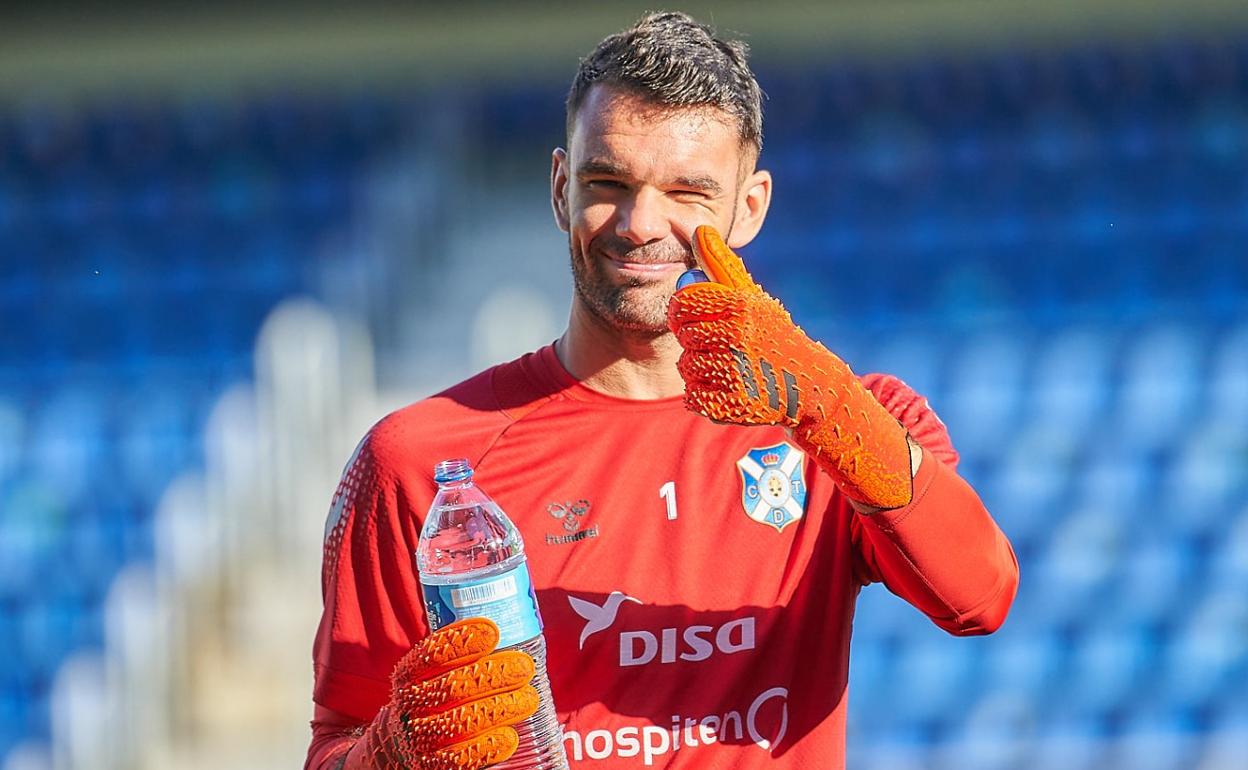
<point>469,545</point>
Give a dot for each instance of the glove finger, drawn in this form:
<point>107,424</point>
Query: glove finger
<point>484,750</point>
<point>717,335</point>
<point>727,409</point>
<point>715,370</point>
<point>496,673</point>
<point>428,734</point>
<point>450,647</point>
<point>720,262</point>
<point>703,302</point>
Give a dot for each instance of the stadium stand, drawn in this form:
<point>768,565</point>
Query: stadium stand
<point>1050,246</point>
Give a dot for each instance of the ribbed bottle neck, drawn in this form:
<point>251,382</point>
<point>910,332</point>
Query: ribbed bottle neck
<point>453,473</point>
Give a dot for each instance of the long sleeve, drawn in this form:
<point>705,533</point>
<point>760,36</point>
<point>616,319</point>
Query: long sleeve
<point>942,553</point>
<point>333,735</point>
<point>373,612</point>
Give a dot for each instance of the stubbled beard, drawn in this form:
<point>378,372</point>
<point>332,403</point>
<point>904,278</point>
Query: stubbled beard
<point>636,306</point>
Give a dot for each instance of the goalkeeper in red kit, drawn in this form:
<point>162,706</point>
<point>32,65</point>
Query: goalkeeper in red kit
<point>703,488</point>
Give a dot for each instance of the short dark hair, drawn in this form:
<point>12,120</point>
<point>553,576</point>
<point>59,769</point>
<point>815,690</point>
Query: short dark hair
<point>672,60</point>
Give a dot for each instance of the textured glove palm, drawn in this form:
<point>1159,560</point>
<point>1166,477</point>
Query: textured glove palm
<point>746,362</point>
<point>452,702</point>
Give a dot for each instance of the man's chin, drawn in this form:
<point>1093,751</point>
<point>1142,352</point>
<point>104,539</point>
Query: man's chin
<point>646,319</point>
<point>643,310</point>
<point>637,320</point>
<point>637,308</point>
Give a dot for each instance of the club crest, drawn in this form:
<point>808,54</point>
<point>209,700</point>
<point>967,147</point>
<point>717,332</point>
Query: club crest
<point>773,486</point>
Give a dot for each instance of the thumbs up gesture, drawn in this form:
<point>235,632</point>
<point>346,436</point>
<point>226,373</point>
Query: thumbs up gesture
<point>745,362</point>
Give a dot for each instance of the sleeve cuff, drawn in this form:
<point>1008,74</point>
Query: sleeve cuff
<point>922,484</point>
<point>356,696</point>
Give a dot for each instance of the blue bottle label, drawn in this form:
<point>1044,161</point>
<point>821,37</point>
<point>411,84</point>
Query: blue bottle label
<point>507,599</point>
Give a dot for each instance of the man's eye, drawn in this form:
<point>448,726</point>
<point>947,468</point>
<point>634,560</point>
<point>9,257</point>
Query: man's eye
<point>604,184</point>
<point>689,196</point>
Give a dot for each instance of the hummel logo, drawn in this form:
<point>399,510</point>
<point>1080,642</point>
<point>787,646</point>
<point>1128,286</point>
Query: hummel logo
<point>600,618</point>
<point>570,514</point>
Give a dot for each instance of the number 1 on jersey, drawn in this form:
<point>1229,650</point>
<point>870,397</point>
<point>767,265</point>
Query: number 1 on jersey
<point>668,493</point>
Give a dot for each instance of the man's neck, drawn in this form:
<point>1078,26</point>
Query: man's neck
<point>619,363</point>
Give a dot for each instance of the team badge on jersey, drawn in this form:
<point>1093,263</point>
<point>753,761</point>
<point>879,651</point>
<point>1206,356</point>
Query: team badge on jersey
<point>773,486</point>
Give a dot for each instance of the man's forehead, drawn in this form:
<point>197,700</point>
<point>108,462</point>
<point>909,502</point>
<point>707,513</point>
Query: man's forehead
<point>610,111</point>
<point>614,124</point>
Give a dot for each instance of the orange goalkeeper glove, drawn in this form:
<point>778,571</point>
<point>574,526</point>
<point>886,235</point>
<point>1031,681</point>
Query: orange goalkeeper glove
<point>746,362</point>
<point>452,702</point>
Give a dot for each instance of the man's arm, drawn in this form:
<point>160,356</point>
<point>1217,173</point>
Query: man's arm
<point>333,734</point>
<point>389,695</point>
<point>942,553</point>
<point>919,528</point>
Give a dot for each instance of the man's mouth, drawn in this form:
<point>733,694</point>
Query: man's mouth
<point>631,263</point>
<point>647,267</point>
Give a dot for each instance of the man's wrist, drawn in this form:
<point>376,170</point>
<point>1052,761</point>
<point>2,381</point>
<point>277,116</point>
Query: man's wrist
<point>916,459</point>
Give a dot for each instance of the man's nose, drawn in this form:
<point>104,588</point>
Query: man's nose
<point>644,219</point>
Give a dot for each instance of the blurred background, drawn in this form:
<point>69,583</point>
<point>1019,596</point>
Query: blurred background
<point>231,239</point>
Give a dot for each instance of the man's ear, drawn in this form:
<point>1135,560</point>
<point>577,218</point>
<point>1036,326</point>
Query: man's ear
<point>751,208</point>
<point>559,187</point>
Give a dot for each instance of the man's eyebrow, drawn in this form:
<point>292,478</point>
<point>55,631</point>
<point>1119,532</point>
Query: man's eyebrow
<point>592,166</point>
<point>699,182</point>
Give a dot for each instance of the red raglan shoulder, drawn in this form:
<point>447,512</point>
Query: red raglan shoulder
<point>372,607</point>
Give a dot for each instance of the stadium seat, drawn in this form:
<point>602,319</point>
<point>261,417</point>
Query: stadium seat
<point>1027,662</point>
<point>1069,743</point>
<point>1156,739</point>
<point>1071,384</point>
<point>1160,379</point>
<point>1207,660</point>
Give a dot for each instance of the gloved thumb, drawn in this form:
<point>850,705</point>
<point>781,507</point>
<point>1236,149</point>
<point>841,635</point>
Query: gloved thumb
<point>721,263</point>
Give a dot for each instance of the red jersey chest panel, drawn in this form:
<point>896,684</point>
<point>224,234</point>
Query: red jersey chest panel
<point>695,579</point>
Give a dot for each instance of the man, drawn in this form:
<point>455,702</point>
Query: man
<point>697,576</point>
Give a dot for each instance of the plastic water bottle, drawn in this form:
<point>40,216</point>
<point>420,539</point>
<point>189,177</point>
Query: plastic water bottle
<point>472,564</point>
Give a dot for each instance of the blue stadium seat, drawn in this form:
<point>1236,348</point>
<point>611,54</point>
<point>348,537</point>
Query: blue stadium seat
<point>871,669</point>
<point>12,717</point>
<point>12,434</point>
<point>1152,581</point>
<point>1069,743</point>
<point>935,670</point>
<point>983,400</point>
<point>1229,560</point>
<point>1109,670</point>
<point>10,635</point>
<point>894,755</point>
<point>1228,377</point>
<point>1204,480</point>
<point>1207,658</point>
<point>915,358</point>
<point>1071,384</point>
<point>997,732</point>
<point>1077,566</point>
<point>1027,662</point>
<point>1160,385</point>
<point>1113,477</point>
<point>1227,738</point>
<point>1027,494</point>
<point>1157,738</point>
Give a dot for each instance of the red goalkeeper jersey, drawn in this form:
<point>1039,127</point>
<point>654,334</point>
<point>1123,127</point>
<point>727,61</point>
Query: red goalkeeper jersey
<point>697,581</point>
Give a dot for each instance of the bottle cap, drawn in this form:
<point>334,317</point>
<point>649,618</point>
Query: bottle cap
<point>689,277</point>
<point>452,470</point>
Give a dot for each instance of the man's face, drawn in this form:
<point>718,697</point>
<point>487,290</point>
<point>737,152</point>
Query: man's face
<point>634,183</point>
